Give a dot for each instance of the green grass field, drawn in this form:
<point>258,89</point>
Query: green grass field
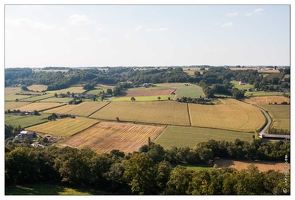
<point>192,91</point>
<point>159,112</point>
<point>46,189</point>
<point>280,115</point>
<point>241,87</point>
<point>25,121</point>
<point>180,136</point>
<point>70,89</point>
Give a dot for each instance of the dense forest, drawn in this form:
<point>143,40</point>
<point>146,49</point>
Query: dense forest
<point>151,170</point>
<point>214,80</point>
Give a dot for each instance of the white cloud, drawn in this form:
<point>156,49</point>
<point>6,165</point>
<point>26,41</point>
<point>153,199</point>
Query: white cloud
<point>78,19</point>
<point>232,14</point>
<point>228,24</point>
<point>157,29</point>
<point>23,22</point>
<point>258,11</point>
<point>101,40</point>
<point>99,29</point>
<point>138,28</point>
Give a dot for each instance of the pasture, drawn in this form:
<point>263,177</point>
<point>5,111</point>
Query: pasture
<point>158,112</point>
<point>57,100</point>
<point>12,90</point>
<point>37,98</point>
<point>142,98</point>
<point>13,105</point>
<point>191,90</point>
<point>13,97</point>
<point>25,121</point>
<point>180,136</point>
<point>280,115</point>
<point>38,106</point>
<point>262,93</point>
<point>241,87</point>
<point>82,109</point>
<point>230,115</point>
<point>266,100</point>
<point>63,127</point>
<point>106,136</point>
<point>70,89</point>
<point>263,166</point>
<point>138,93</point>
<point>38,88</point>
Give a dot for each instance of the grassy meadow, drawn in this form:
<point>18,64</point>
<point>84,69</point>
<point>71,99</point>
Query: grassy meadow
<point>11,90</point>
<point>37,98</point>
<point>180,136</point>
<point>280,115</point>
<point>63,127</point>
<point>25,121</point>
<point>191,90</point>
<point>38,88</point>
<point>230,115</point>
<point>158,112</point>
<point>142,98</point>
<point>241,87</point>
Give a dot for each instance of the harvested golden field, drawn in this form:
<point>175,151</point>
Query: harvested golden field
<point>38,88</point>
<point>106,136</point>
<point>63,127</point>
<point>266,100</point>
<point>13,105</point>
<point>230,114</point>
<point>263,166</point>
<point>82,109</point>
<point>159,112</point>
<point>38,106</point>
<point>13,97</point>
<point>280,115</point>
<point>11,90</point>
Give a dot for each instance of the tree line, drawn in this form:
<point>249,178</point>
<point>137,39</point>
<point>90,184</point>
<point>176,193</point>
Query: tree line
<point>151,170</point>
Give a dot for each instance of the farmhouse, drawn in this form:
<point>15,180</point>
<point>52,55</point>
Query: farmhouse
<point>25,134</point>
<point>242,83</point>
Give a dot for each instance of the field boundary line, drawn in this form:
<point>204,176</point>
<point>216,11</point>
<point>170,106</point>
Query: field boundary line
<point>98,109</point>
<point>189,115</point>
<point>52,107</point>
<point>83,130</point>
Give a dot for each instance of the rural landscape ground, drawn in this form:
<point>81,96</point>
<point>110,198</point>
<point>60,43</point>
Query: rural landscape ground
<point>155,114</point>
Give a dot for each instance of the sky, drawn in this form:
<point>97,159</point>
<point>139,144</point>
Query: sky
<point>146,35</point>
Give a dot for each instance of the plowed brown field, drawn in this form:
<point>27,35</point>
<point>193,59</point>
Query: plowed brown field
<point>106,136</point>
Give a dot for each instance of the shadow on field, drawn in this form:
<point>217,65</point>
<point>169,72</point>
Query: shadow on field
<point>223,163</point>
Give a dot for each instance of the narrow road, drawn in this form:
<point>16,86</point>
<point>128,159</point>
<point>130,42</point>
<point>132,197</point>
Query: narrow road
<point>268,119</point>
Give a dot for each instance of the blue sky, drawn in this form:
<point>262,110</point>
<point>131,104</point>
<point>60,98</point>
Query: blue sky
<point>146,35</point>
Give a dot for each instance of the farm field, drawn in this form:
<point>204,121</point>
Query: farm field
<point>37,87</point>
<point>70,89</point>
<point>63,127</point>
<point>241,87</point>
<point>262,93</point>
<point>266,100</point>
<point>142,98</point>
<point>13,105</point>
<point>106,136</point>
<point>11,90</point>
<point>180,136</point>
<point>137,93</point>
<point>82,109</point>
<point>263,166</point>
<point>280,115</point>
<point>38,106</point>
<point>37,98</point>
<point>159,112</point>
<point>192,91</point>
<point>13,97</point>
<point>230,115</point>
<point>25,121</point>
<point>57,100</point>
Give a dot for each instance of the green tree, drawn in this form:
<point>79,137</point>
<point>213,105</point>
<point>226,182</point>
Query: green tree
<point>179,180</point>
<point>159,98</point>
<point>163,174</point>
<point>24,88</point>
<point>140,173</point>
